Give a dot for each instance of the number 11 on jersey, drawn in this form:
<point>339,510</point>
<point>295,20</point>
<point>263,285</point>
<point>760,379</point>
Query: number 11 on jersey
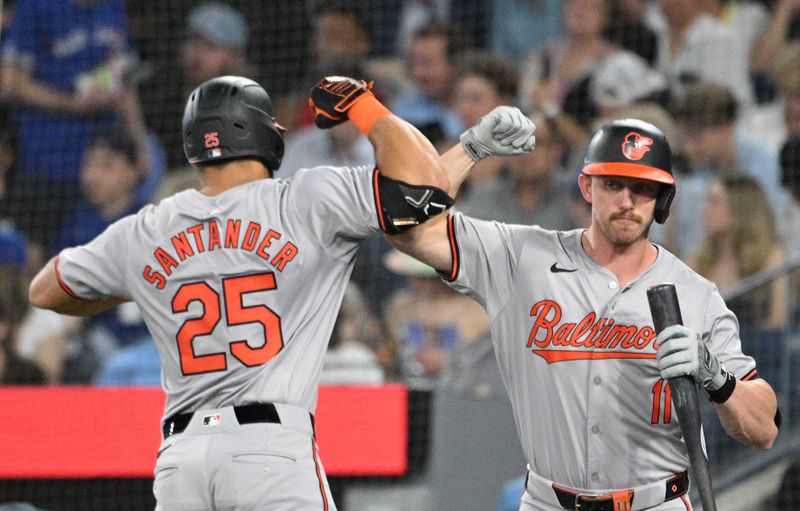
<point>661,394</point>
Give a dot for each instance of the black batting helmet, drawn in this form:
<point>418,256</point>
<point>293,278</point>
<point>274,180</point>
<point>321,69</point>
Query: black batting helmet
<point>633,148</point>
<point>231,117</point>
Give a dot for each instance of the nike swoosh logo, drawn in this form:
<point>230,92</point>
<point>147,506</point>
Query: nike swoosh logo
<point>556,269</point>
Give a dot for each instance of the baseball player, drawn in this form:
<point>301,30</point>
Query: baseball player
<point>240,283</point>
<point>573,335</point>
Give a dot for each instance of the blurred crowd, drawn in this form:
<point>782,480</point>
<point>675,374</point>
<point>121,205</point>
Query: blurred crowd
<point>91,98</point>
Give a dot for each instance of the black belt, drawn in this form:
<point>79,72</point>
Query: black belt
<point>245,414</point>
<point>674,487</point>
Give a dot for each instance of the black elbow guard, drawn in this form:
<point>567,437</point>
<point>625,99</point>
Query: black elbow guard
<point>402,206</point>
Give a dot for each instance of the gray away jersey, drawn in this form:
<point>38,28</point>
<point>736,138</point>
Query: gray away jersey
<point>577,354</point>
<point>240,291</point>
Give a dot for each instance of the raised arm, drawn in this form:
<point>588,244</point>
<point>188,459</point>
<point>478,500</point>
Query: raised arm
<point>401,151</point>
<point>505,131</point>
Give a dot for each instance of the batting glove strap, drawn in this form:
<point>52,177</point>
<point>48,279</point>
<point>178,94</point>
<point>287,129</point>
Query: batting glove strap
<point>335,99</point>
<point>724,392</point>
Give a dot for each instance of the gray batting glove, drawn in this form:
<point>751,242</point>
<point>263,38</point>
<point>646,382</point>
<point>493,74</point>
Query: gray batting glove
<point>682,352</point>
<point>503,132</point>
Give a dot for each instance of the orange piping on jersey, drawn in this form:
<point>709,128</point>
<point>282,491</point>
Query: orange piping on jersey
<point>319,475</point>
<point>686,503</point>
<point>376,192</point>
<point>750,376</point>
<point>63,285</point>
<point>563,355</point>
<point>451,235</point>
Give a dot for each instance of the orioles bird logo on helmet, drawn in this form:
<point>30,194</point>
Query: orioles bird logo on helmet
<point>635,146</point>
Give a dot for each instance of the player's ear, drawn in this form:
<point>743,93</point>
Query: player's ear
<point>585,184</point>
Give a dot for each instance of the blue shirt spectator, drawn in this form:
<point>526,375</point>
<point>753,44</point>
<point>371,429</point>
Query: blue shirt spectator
<point>62,43</point>
<point>65,69</point>
<point>13,246</point>
<point>137,364</point>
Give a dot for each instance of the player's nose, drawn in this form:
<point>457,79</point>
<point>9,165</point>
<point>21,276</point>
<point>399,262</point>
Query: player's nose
<point>626,197</point>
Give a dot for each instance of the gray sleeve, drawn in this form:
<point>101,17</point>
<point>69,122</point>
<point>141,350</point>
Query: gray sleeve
<point>335,202</point>
<point>721,333</point>
<point>485,259</point>
<point>97,270</point>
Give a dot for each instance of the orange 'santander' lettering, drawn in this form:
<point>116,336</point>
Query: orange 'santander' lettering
<point>591,336</point>
<point>210,236</point>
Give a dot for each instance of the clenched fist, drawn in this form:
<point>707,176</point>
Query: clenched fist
<point>504,131</point>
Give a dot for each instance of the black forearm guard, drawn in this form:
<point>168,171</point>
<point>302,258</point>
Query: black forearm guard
<point>403,206</point>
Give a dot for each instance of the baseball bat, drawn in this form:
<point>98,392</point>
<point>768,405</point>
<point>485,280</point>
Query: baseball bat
<point>665,310</point>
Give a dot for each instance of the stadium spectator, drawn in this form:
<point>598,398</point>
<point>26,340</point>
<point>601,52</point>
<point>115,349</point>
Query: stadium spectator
<point>109,181</point>
<point>783,29</point>
<point>64,67</point>
<point>427,320</point>
<point>748,19</point>
<point>328,51</point>
<point>394,22</point>
<point>628,30</point>
<point>14,370</point>
<point>481,82</point>
<point>533,189</point>
<point>350,360</point>
<point>741,239</point>
<point>555,77</point>
<point>137,364</point>
<point>214,43</point>
<point>518,26</point>
<point>787,76</point>
<point>707,117</point>
<point>430,60</point>
<point>789,219</point>
<point>696,47</point>
<point>622,79</point>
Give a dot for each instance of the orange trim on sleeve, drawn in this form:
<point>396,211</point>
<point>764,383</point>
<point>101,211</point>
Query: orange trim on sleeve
<point>63,285</point>
<point>750,376</point>
<point>377,194</point>
<point>451,235</point>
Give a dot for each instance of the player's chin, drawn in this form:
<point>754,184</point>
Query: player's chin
<point>628,235</point>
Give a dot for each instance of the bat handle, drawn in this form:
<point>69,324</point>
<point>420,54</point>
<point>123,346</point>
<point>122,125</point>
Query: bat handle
<point>665,310</point>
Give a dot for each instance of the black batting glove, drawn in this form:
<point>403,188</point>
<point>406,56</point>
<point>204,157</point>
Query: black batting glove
<point>333,96</point>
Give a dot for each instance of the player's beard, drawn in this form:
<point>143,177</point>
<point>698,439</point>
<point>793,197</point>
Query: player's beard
<point>622,236</point>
